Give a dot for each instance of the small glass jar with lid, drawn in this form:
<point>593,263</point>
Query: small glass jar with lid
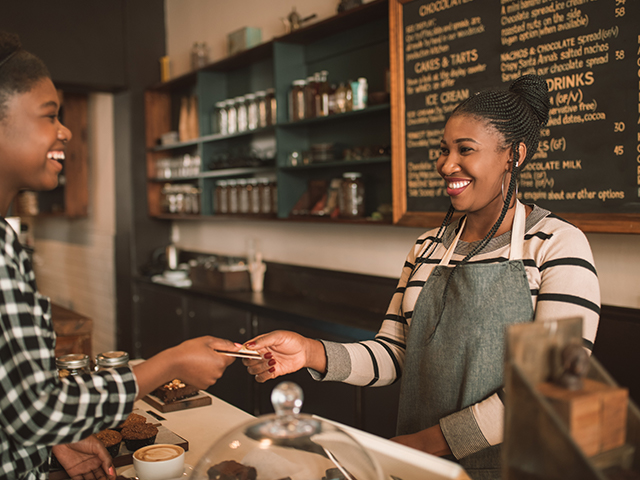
<point>351,199</point>
<point>73,364</point>
<point>222,197</point>
<point>272,106</point>
<point>261,102</point>
<point>297,105</point>
<point>266,203</point>
<point>112,359</point>
<point>254,195</point>
<point>252,111</point>
<point>220,118</point>
<point>243,196</point>
<point>232,116</point>
<point>233,195</point>
<point>241,108</point>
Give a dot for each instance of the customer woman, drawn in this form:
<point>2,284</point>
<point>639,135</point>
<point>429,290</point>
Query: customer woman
<point>38,410</point>
<point>502,263</point>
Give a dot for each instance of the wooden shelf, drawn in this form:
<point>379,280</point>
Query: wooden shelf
<point>340,163</point>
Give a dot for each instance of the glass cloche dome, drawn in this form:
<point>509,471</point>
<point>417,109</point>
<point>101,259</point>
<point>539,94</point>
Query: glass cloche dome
<point>287,445</point>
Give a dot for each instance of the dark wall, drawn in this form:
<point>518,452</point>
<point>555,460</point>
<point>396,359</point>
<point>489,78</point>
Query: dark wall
<point>81,42</point>
<point>111,46</point>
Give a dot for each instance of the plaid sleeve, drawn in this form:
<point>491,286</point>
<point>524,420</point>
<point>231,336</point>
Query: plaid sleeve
<point>37,408</point>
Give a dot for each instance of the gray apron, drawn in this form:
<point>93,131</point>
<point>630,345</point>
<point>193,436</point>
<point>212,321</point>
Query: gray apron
<point>463,363</point>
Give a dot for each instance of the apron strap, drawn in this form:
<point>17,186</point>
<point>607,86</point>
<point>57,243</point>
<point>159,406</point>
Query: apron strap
<point>517,236</point>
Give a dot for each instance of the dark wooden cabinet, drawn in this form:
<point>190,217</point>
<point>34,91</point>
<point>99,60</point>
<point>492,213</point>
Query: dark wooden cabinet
<point>207,317</point>
<point>160,311</point>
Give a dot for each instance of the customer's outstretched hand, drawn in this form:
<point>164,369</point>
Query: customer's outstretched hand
<point>85,460</point>
<point>284,352</point>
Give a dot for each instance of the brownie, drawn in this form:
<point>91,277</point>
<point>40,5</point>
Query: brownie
<point>231,470</point>
<point>111,440</point>
<point>130,420</point>
<point>138,435</point>
<point>175,390</point>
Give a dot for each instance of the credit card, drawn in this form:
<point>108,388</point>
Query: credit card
<point>240,354</point>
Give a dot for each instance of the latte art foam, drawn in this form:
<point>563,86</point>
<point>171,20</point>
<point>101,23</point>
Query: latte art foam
<point>158,453</point>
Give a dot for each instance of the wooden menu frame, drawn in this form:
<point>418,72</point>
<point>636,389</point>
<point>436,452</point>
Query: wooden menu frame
<point>588,222</point>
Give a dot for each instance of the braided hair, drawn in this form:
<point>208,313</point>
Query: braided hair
<point>517,115</point>
<point>19,69</point>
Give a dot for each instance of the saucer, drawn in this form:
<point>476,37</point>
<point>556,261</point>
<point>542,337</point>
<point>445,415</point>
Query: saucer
<point>130,472</point>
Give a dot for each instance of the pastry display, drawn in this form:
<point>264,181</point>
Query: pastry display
<point>111,440</point>
<point>175,390</point>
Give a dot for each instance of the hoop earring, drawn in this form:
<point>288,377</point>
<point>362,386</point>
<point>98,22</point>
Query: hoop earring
<point>515,194</point>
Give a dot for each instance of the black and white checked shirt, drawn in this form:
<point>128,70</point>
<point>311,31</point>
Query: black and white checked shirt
<point>37,409</point>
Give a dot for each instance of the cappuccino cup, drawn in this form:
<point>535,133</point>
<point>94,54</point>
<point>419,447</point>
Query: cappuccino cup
<point>159,462</point>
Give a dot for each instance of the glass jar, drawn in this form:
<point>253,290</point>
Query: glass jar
<point>266,204</point>
<point>199,55</point>
<point>73,364</point>
<point>222,197</point>
<point>322,96</point>
<point>360,90</point>
<point>232,116</point>
<point>220,118</point>
<point>241,109</point>
<point>310,92</point>
<point>243,196</point>
<point>297,109</point>
<point>254,195</point>
<point>261,102</point>
<point>351,195</point>
<point>233,196</point>
<point>252,111</point>
<point>112,359</point>
<point>272,106</point>
<point>274,196</point>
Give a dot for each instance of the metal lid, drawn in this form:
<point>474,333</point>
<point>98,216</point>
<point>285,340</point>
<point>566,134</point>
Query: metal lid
<point>72,361</point>
<point>112,359</point>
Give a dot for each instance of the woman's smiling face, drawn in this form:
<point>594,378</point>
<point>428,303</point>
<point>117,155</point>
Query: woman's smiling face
<point>32,140</point>
<point>473,162</point>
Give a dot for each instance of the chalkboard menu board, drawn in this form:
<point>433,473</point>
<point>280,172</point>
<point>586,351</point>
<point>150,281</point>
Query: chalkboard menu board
<point>587,167</point>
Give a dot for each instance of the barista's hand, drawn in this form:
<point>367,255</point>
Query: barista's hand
<point>430,440</point>
<point>85,460</point>
<point>284,352</point>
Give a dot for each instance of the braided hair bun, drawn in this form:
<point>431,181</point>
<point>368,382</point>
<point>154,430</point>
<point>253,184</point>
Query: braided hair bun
<point>534,91</point>
<point>9,43</point>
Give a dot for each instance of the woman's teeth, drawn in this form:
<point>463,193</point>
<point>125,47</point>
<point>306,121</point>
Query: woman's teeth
<point>55,155</point>
<point>460,184</point>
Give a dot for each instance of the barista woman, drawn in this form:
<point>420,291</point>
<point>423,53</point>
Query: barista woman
<point>502,263</point>
<point>38,411</point>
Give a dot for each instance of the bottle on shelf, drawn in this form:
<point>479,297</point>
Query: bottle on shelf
<point>296,101</point>
<point>261,102</point>
<point>252,111</point>
<point>222,197</point>
<point>310,92</point>
<point>243,196</point>
<point>220,118</point>
<point>241,109</point>
<point>341,98</point>
<point>233,196</point>
<point>360,93</point>
<point>323,94</point>
<point>272,106</point>
<point>351,200</point>
<point>199,55</point>
<point>232,117</point>
<point>254,195</point>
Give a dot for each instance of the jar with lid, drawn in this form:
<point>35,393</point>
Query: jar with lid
<point>360,90</point>
<point>222,197</point>
<point>243,196</point>
<point>261,102</point>
<point>252,111</point>
<point>296,101</point>
<point>220,117</point>
<point>112,359</point>
<point>241,109</point>
<point>322,97</point>
<point>233,196</point>
<point>232,116</point>
<point>73,364</point>
<point>272,106</point>
<point>343,98</point>
<point>351,201</point>
<point>199,55</point>
<point>310,92</point>
<point>254,195</point>
<point>266,204</point>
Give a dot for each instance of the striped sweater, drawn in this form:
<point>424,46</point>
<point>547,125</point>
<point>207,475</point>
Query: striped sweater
<point>563,283</point>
